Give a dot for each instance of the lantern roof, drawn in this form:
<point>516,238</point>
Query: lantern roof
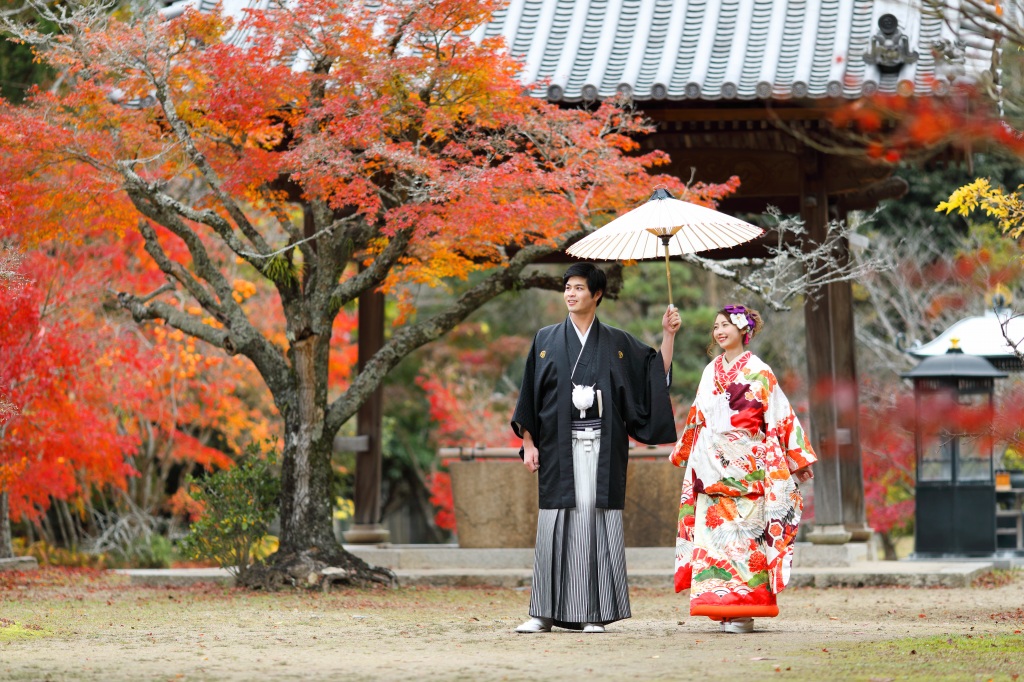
<point>954,364</point>
<point>981,335</point>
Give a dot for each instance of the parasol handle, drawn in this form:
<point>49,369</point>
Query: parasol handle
<point>668,275</point>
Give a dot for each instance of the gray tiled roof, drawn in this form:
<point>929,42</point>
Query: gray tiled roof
<point>715,49</point>
<point>724,49</point>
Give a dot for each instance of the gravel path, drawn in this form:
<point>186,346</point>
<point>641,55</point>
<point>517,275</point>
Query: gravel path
<point>91,627</point>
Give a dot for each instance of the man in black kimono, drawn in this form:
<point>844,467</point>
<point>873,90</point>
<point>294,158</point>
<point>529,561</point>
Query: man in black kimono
<point>586,390</point>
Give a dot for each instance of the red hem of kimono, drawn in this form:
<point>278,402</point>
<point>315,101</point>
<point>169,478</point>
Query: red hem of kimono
<point>758,603</point>
<point>745,611</point>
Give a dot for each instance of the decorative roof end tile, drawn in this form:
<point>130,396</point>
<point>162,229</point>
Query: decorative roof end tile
<point>890,47</point>
<point>950,58</point>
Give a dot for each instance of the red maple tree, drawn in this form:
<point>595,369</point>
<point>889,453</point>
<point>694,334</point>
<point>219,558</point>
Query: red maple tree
<point>61,435</point>
<point>401,153</point>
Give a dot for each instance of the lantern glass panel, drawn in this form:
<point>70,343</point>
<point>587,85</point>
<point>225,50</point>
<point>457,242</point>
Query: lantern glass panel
<point>936,458</point>
<point>975,458</point>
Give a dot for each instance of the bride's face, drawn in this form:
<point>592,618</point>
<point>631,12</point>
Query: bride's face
<point>727,335</point>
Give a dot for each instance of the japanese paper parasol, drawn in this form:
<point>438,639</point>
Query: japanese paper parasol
<point>664,225</point>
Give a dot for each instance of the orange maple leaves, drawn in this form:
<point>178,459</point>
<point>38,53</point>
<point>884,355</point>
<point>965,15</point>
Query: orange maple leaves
<point>890,127</point>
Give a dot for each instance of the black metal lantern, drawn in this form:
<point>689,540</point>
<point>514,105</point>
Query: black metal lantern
<point>956,495</point>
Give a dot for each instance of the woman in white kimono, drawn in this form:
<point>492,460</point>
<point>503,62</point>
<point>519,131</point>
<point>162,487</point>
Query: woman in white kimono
<point>744,450</point>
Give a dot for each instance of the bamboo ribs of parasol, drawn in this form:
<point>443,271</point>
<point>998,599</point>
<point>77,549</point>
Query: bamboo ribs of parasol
<point>665,226</point>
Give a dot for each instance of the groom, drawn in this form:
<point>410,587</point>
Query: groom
<point>586,390</point>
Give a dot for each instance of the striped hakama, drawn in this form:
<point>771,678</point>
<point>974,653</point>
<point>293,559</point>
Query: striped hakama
<point>579,570</point>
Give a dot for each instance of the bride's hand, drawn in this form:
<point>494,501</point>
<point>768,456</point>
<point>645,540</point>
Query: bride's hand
<point>803,475</point>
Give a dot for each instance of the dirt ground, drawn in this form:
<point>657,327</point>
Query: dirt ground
<point>57,625</point>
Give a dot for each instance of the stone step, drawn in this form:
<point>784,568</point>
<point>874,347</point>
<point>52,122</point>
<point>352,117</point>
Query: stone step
<point>431,557</point>
<point>893,573</point>
<point>864,574</point>
<point>176,577</point>
<point>19,563</point>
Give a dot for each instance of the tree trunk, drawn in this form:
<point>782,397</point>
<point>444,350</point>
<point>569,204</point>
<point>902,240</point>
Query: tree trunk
<point>308,553</point>
<point>6,542</point>
<point>888,546</point>
<point>306,469</point>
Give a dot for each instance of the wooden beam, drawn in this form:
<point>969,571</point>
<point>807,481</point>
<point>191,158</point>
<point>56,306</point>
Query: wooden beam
<point>867,198</point>
<point>753,113</point>
<point>828,512</point>
<point>845,396</point>
<point>770,170</point>
<point>367,502</point>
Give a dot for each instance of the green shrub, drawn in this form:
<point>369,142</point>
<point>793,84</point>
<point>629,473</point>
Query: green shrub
<point>51,555</point>
<point>238,506</point>
<point>152,550</point>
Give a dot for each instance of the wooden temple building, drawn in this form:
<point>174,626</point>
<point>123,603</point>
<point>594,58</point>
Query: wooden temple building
<point>740,87</point>
<point>745,87</point>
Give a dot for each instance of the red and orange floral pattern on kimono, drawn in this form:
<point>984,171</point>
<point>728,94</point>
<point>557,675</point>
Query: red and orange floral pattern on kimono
<point>740,507</point>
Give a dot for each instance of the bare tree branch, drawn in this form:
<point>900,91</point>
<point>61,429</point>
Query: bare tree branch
<point>199,159</point>
<point>178,272</point>
<point>206,217</point>
<point>792,269</point>
<point>351,288</point>
<point>1004,325</point>
<point>192,325</point>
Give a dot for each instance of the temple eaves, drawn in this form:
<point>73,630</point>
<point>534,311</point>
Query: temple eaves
<point>674,50</point>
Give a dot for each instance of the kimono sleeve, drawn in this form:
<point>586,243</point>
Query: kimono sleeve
<point>691,430</point>
<point>782,424</point>
<point>647,408</point>
<point>525,416</point>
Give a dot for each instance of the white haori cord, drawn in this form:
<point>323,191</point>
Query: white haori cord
<point>583,396</point>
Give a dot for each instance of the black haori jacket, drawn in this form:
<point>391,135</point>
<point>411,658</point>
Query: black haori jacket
<point>631,378</point>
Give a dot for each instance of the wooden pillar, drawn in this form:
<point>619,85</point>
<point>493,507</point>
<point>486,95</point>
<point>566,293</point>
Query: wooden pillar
<point>851,473</point>
<point>366,526</point>
<point>828,498</point>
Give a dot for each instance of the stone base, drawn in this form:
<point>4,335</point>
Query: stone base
<point>496,503</point>
<point>19,563</point>
<point>829,535</point>
<point>860,532</point>
<point>810,555</point>
<point>367,534</point>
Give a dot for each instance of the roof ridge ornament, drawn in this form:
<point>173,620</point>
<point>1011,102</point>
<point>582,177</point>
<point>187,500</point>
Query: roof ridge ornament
<point>950,57</point>
<point>999,298</point>
<point>890,47</point>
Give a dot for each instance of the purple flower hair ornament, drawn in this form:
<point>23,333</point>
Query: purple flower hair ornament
<point>744,321</point>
